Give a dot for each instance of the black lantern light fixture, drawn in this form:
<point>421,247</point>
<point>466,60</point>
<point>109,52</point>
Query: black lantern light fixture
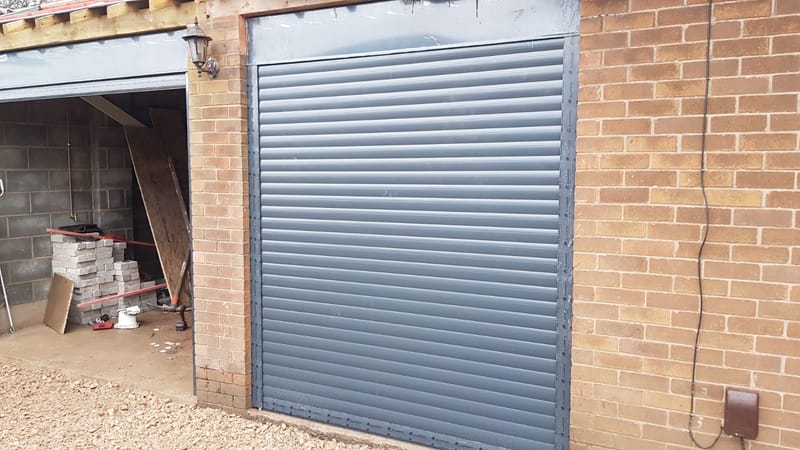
<point>197,40</point>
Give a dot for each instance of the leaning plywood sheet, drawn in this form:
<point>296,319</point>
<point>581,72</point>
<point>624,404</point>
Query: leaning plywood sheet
<point>58,301</point>
<point>161,202</point>
<point>171,125</point>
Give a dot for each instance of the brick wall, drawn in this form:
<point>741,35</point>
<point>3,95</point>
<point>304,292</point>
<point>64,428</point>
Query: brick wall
<point>220,224</point>
<point>639,221</point>
<point>33,166</point>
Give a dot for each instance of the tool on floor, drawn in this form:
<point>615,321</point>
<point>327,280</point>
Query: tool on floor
<point>182,325</point>
<point>11,328</point>
<point>103,323</point>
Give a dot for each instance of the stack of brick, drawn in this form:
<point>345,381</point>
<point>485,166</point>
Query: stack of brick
<point>98,269</point>
<point>105,267</point>
<point>77,261</point>
<point>126,277</point>
<point>119,251</point>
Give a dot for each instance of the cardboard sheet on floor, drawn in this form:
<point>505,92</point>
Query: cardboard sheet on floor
<point>58,301</point>
<point>164,207</point>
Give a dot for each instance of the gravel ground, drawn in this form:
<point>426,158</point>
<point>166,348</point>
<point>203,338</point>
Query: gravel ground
<point>42,408</point>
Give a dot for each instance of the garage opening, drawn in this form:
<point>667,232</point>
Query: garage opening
<point>67,165</point>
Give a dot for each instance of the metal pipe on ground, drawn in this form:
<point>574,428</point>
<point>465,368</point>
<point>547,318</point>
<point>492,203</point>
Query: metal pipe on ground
<point>98,237</point>
<point>123,295</point>
<point>11,328</point>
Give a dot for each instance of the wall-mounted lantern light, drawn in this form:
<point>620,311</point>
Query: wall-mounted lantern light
<point>197,40</point>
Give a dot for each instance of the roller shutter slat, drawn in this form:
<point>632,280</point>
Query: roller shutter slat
<point>412,400</point>
<point>400,59</point>
<point>547,149</point>
<point>535,363</point>
<point>377,292</point>
<point>428,97</point>
<point>335,302</point>
<point>534,250</point>
<point>489,106</point>
<point>411,84</point>
<point>413,255</point>
<point>403,69</point>
<point>324,339</point>
<point>524,392</point>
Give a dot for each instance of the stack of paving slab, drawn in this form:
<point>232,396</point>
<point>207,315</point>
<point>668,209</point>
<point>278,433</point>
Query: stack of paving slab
<point>98,270</point>
<point>126,277</point>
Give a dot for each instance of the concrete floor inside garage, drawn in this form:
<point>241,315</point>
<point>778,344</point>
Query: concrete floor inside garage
<point>95,184</point>
<point>125,357</point>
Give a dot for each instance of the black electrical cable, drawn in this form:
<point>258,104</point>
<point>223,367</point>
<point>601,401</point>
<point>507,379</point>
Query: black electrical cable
<point>705,236</point>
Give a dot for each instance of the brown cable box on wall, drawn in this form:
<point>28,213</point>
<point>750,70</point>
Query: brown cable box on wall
<point>741,413</point>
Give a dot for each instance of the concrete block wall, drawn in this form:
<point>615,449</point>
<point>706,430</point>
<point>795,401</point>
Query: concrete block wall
<point>112,176</point>
<point>639,222</point>
<point>33,166</point>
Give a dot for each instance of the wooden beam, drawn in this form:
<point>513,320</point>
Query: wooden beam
<point>113,111</point>
<point>138,22</point>
<point>53,19</point>
<point>158,4</point>
<point>85,14</point>
<point>17,25</point>
<point>120,9</point>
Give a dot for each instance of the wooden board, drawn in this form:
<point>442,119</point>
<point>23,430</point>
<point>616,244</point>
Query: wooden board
<point>171,125</point>
<point>58,301</point>
<point>162,204</point>
<point>113,111</point>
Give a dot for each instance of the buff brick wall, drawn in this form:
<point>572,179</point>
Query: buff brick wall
<point>639,221</point>
<point>220,240</point>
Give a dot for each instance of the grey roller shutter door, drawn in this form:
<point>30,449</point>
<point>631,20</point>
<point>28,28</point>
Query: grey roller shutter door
<point>409,243</point>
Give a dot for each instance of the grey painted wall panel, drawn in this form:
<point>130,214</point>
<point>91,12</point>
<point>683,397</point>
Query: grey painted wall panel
<point>88,88</point>
<point>402,25</point>
<point>146,62</point>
